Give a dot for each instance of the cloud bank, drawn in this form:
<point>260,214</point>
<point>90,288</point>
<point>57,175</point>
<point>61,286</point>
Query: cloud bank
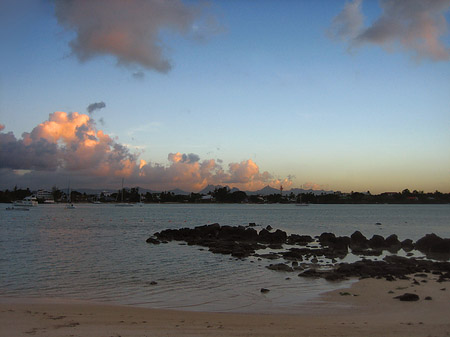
<point>416,26</point>
<point>70,145</point>
<point>129,30</point>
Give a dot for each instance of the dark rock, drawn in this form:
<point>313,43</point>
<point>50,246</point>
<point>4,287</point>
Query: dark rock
<point>269,227</point>
<point>407,297</point>
<point>377,242</point>
<point>252,224</point>
<point>153,240</point>
<point>269,256</point>
<point>299,239</point>
<point>264,290</point>
<point>358,238</point>
<point>333,277</point>
<point>278,236</point>
<point>407,245</point>
<point>392,243</point>
<point>428,298</point>
<point>275,246</point>
<point>280,267</point>
<point>392,240</point>
<point>367,252</point>
<point>431,243</point>
<point>325,238</point>
<point>153,283</point>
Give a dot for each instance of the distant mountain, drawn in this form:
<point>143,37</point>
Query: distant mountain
<point>209,188</point>
<point>264,191</point>
<point>177,191</point>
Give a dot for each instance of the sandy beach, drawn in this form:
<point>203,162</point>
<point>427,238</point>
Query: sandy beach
<point>367,308</point>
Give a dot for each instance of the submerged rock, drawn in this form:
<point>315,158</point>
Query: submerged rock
<point>280,267</point>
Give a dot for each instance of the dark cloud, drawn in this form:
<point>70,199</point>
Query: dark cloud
<point>417,26</point>
<point>129,30</point>
<point>16,154</point>
<point>95,106</point>
<point>190,158</point>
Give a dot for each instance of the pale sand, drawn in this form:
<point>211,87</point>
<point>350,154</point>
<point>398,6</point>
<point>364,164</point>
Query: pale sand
<point>373,312</point>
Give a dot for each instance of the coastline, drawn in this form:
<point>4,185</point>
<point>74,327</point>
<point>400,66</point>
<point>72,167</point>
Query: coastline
<point>373,312</point>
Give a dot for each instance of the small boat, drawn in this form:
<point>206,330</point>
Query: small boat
<point>29,201</point>
<point>69,205</point>
<point>21,208</point>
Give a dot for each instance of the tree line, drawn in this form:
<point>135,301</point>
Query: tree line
<point>225,195</point>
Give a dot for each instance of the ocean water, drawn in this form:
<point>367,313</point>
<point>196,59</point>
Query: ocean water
<point>98,253</point>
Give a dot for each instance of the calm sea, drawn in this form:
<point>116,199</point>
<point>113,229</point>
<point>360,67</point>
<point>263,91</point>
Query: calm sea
<point>98,253</point>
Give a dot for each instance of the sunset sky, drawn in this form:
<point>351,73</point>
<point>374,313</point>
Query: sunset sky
<point>339,95</point>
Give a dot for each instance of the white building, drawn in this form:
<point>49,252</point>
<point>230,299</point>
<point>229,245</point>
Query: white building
<point>45,196</point>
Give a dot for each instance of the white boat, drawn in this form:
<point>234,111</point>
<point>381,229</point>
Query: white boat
<point>29,201</point>
<point>69,205</point>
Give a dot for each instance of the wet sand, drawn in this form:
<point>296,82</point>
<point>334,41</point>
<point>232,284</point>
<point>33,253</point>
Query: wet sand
<point>367,308</point>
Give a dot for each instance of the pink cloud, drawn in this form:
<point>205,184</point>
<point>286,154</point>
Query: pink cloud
<point>128,30</point>
<point>70,144</point>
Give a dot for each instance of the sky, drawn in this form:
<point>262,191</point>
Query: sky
<point>334,95</point>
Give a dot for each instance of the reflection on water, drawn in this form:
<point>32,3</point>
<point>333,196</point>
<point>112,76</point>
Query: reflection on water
<point>98,252</point>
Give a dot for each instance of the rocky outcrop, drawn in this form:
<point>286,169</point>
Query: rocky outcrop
<point>431,243</point>
<point>244,241</point>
